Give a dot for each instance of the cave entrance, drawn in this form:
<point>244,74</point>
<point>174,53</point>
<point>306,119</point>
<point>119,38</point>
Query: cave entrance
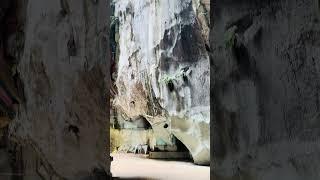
<point>138,152</point>
<point>156,103</point>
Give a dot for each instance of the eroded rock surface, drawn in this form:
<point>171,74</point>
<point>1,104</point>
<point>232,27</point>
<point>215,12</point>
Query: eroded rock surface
<point>59,131</point>
<point>163,69</point>
<point>265,90</point>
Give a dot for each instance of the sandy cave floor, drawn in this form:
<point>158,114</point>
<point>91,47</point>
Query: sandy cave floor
<point>133,167</point>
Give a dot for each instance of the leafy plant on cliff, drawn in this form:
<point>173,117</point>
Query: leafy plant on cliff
<point>182,72</point>
<point>166,79</point>
<point>230,37</point>
<point>113,20</point>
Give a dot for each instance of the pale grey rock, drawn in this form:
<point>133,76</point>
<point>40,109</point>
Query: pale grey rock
<point>163,70</point>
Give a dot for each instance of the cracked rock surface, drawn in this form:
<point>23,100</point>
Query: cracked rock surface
<point>59,51</point>
<point>163,69</point>
<point>265,89</point>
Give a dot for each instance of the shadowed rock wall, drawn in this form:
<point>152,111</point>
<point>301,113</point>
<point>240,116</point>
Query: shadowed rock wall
<point>265,76</point>
<point>61,130</point>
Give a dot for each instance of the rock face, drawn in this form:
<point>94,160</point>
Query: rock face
<point>265,80</point>
<point>61,128</point>
<point>11,41</point>
<point>163,70</point>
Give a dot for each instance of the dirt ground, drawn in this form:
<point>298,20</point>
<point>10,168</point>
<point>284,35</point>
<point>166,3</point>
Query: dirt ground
<point>133,167</point>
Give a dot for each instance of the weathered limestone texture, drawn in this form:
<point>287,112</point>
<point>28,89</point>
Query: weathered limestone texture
<point>265,77</point>
<point>163,70</point>
<point>61,127</point>
<point>11,42</point>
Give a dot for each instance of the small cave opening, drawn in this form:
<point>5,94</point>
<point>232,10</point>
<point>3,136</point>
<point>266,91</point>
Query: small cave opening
<point>165,125</point>
<point>142,123</point>
<point>170,86</point>
<point>180,146</point>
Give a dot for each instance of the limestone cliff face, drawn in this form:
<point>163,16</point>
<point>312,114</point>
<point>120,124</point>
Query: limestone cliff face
<point>265,89</point>
<point>163,70</point>
<point>60,129</point>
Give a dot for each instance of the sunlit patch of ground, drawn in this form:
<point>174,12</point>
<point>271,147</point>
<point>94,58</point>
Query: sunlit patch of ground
<point>133,167</point>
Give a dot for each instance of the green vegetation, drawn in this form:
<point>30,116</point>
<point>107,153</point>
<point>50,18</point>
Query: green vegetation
<point>230,37</point>
<point>166,79</point>
<point>113,20</point>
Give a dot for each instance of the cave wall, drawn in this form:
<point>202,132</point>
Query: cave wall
<point>11,42</point>
<point>163,70</point>
<point>265,77</point>
<point>59,51</point>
